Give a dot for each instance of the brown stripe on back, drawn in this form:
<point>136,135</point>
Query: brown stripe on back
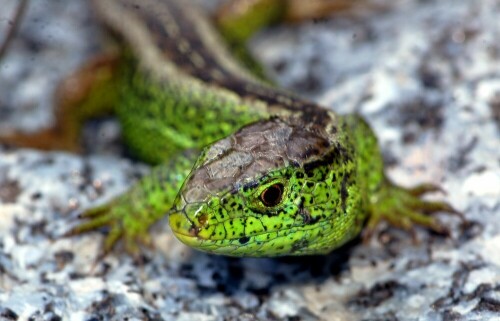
<point>184,48</point>
<point>309,111</point>
<point>175,34</point>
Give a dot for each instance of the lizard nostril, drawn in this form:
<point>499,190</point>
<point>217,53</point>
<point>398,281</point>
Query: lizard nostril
<point>203,219</point>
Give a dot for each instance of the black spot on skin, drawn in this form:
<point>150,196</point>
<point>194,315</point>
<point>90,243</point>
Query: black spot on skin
<point>314,220</point>
<point>298,245</point>
<point>344,193</point>
<point>306,216</point>
<point>244,240</point>
<point>310,184</point>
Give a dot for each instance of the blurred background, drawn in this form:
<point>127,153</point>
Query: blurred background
<point>425,74</point>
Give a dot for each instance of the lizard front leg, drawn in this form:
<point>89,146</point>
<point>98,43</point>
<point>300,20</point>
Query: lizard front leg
<point>128,217</point>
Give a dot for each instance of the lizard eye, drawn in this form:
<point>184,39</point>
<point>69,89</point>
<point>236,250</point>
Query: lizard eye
<point>272,195</point>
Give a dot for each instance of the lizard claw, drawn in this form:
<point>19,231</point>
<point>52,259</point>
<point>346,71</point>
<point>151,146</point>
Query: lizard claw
<point>425,188</point>
<point>117,216</point>
<point>403,208</point>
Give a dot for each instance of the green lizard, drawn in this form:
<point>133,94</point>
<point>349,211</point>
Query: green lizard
<point>243,168</point>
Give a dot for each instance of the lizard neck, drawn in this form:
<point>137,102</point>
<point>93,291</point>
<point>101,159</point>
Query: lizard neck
<point>174,42</point>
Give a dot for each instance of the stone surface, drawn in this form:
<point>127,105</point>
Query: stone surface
<point>426,74</point>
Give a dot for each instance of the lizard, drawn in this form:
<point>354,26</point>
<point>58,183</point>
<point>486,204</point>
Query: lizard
<point>242,168</point>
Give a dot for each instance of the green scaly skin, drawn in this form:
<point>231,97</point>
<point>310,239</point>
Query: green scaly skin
<point>161,121</point>
<point>311,218</point>
<point>305,186</point>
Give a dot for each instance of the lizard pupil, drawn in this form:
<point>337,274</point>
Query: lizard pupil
<point>272,195</point>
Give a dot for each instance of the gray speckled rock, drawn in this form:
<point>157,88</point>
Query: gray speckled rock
<point>426,74</point>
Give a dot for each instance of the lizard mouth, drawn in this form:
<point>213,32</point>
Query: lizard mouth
<point>184,229</point>
<point>188,233</point>
<point>191,241</point>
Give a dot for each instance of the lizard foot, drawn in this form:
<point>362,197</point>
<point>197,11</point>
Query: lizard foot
<point>404,208</point>
<point>122,219</point>
<point>128,217</point>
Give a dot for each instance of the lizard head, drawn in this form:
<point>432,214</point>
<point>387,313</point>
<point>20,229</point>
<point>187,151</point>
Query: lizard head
<point>273,188</point>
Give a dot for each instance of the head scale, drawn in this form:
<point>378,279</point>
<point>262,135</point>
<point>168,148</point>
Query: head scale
<point>275,187</point>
